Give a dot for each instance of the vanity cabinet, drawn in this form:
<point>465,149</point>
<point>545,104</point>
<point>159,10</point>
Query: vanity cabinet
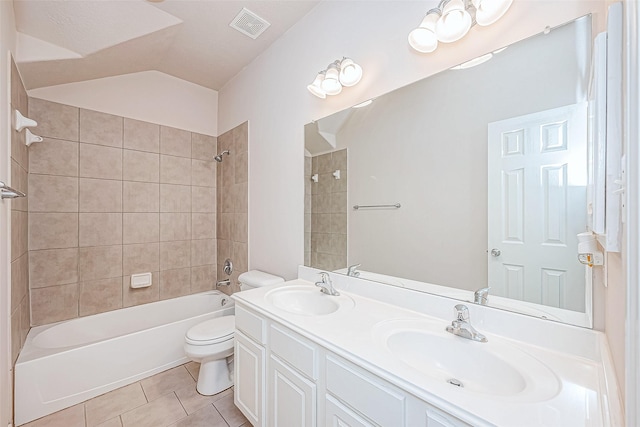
<point>283,379</point>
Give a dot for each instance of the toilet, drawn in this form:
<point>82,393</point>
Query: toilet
<point>211,342</point>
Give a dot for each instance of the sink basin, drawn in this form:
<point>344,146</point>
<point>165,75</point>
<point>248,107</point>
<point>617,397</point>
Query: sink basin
<point>497,368</point>
<point>307,300</point>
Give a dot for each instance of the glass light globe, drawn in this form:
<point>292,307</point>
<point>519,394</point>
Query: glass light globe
<point>331,84</point>
<point>424,39</point>
<point>350,72</point>
<point>316,87</point>
<point>454,23</point>
<point>489,11</point>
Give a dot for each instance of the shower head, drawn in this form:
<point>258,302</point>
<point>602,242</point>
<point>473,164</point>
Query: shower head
<point>218,158</point>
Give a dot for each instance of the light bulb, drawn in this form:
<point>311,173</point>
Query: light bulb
<point>424,39</point>
<point>489,11</point>
<point>316,87</point>
<point>331,84</point>
<point>454,23</point>
<point>350,72</point>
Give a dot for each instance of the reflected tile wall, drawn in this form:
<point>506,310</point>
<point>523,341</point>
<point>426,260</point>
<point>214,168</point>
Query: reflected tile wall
<point>232,204</point>
<point>113,196</point>
<point>326,211</point>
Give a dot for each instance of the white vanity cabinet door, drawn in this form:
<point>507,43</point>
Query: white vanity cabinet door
<point>292,397</point>
<point>421,414</point>
<point>249,371</point>
<point>338,415</point>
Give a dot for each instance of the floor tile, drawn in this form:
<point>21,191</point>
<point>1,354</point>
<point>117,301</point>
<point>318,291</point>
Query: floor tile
<point>70,417</point>
<point>193,401</point>
<point>160,412</point>
<point>205,417</point>
<point>229,411</point>
<point>194,369</point>
<point>166,382</point>
<point>114,403</point>
<point>113,422</point>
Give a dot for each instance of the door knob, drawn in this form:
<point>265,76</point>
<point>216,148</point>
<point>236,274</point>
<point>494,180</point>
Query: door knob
<point>495,252</point>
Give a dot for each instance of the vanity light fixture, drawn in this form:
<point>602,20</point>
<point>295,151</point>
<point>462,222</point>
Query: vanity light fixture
<point>452,19</point>
<point>340,73</point>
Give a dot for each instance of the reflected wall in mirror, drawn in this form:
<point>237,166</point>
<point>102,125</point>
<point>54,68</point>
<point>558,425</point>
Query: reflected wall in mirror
<point>489,167</point>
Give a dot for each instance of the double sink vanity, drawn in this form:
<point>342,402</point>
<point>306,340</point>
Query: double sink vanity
<point>374,357</point>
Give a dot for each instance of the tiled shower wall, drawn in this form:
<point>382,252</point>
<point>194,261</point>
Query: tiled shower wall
<point>19,222</point>
<point>327,222</point>
<point>112,196</point>
<point>232,205</point>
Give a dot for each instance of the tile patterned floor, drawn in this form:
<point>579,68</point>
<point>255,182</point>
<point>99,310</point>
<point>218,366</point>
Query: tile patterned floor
<point>167,399</point>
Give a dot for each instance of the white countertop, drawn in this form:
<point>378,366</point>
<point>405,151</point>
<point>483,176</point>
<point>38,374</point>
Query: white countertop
<point>587,393</point>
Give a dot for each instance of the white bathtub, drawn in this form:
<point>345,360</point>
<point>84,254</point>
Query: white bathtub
<point>66,363</point>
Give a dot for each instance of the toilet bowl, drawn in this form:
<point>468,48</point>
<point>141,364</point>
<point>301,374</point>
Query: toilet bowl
<point>210,343</point>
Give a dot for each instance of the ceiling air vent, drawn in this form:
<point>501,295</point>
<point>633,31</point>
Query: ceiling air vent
<point>249,23</point>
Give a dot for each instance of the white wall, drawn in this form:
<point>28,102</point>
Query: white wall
<point>7,46</point>
<point>150,96</point>
<point>271,94</point>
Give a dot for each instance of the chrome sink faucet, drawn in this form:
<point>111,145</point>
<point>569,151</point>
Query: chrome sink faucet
<point>326,286</point>
<point>481,296</point>
<point>461,326</point>
<point>353,270</point>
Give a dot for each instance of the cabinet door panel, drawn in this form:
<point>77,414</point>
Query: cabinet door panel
<point>293,397</point>
<point>338,415</point>
<point>249,393</point>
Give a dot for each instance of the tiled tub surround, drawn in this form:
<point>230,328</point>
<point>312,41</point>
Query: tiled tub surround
<point>112,196</point>
<point>581,389</point>
<point>69,362</point>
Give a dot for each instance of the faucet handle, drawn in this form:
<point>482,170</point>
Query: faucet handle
<point>461,312</point>
<point>481,295</point>
<point>352,270</point>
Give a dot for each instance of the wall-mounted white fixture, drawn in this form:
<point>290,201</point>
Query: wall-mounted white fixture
<point>340,73</point>
<point>31,138</point>
<point>142,280</point>
<point>20,122</point>
<point>336,174</point>
<point>314,177</point>
<point>452,19</point>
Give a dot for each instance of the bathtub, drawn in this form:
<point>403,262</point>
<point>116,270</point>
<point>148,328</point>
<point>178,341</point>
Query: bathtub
<point>66,363</point>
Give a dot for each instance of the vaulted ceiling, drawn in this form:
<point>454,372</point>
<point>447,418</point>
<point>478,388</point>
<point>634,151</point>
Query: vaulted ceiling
<point>64,41</point>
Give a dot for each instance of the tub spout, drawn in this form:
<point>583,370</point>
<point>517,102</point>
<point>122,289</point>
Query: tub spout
<point>225,282</point>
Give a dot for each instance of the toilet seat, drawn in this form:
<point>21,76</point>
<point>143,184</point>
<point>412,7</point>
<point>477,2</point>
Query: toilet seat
<point>212,331</point>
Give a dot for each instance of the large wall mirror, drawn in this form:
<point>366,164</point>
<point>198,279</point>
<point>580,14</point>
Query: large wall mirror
<point>471,178</point>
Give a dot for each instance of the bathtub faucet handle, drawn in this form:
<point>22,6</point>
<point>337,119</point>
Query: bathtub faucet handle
<point>225,282</point>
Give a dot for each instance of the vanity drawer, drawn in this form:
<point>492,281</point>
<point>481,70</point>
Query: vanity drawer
<point>251,324</point>
<point>365,393</point>
<point>297,351</point>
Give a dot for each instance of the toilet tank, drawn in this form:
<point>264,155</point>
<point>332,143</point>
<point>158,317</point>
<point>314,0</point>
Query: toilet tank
<point>256,279</point>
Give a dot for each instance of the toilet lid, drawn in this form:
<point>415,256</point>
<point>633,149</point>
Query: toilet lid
<point>212,331</point>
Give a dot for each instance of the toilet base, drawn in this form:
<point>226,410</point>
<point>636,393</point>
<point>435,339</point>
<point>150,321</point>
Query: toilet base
<point>215,376</point>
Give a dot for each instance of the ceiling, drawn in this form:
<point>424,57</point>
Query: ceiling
<point>65,41</point>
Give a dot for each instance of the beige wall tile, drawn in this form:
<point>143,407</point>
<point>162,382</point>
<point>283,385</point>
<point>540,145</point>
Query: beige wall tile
<point>203,173</point>
<point>140,228</point>
<point>53,267</point>
<point>240,256</point>
<point>175,226</point>
<point>162,411</point>
<point>25,319</point>
<point>175,170</point>
<point>52,230</point>
<point>97,161</point>
<point>140,166</point>
<point>100,229</point>
<point>175,198</point>
<point>19,150</point>
<point>99,296</point>
<point>224,225</point>
<point>49,193</point>
<point>15,334</point>
<point>175,283</point>
<point>100,262</point>
<point>54,304</point>
<point>54,120</point>
<point>241,137</point>
<point>19,280</point>
<point>175,254</point>
<point>225,141</point>
<point>203,278</point>
<point>223,251</point>
<point>175,142</point>
<point>203,147</point>
<point>114,403</point>
<point>226,199</point>
<point>338,223</point>
<point>141,136</point>
<point>241,167</point>
<point>100,128</point>
<point>240,198</point>
<point>203,252</point>
<point>203,226</point>
<point>20,181</point>
<point>131,297</point>
<point>69,417</point>
<point>54,157</point>
<point>140,258</point>
<point>203,199</point>
<point>20,234</point>
<point>141,197</point>
<point>100,195</point>
<point>239,228</point>
<point>338,202</point>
